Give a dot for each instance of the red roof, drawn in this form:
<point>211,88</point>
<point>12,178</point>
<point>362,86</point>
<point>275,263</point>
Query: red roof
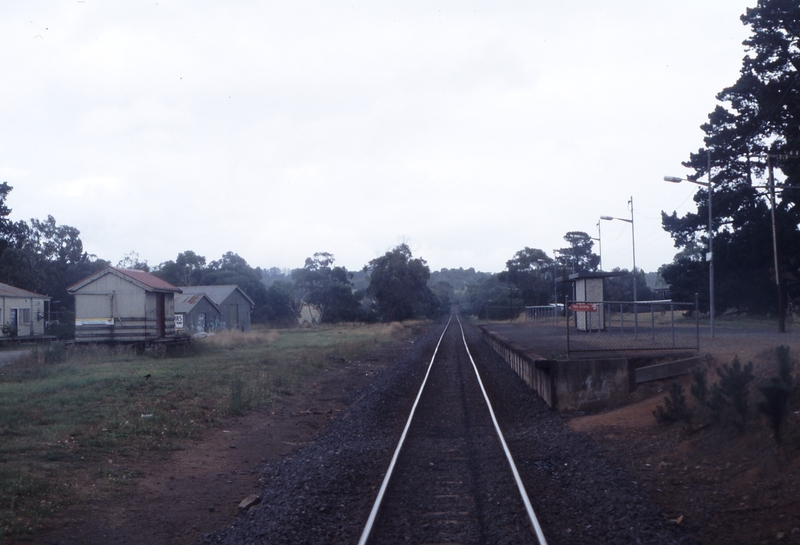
<point>147,279</point>
<point>144,279</point>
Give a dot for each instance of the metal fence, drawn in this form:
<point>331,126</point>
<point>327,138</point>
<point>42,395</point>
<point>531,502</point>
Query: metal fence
<point>544,314</point>
<point>625,325</point>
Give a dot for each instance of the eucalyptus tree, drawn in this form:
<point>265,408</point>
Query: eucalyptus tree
<point>327,288</point>
<point>398,283</point>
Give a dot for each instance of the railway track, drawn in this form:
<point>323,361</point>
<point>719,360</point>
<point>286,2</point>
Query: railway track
<point>451,482</point>
<point>452,478</point>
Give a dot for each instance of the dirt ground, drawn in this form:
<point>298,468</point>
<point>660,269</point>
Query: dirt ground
<point>722,486</point>
<point>178,497</point>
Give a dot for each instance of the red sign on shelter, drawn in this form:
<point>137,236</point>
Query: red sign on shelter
<point>583,307</point>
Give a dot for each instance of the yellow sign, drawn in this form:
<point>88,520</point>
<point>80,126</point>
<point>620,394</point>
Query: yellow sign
<point>94,321</point>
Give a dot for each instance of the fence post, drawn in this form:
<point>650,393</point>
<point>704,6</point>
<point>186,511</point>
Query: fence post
<point>697,319</point>
<point>672,320</point>
<point>566,311</point>
<point>653,322</point>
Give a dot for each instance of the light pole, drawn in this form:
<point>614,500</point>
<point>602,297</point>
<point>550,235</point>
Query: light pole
<point>710,254</point>
<point>633,245</point>
<point>599,246</point>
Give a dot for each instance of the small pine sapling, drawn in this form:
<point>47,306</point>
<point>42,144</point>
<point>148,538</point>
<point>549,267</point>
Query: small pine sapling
<point>733,385</point>
<point>717,403</point>
<point>699,388</point>
<point>708,399</point>
<point>676,409</point>
<point>777,391</point>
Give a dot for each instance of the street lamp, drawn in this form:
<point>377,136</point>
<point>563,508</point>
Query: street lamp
<point>599,246</point>
<point>633,244</point>
<point>710,254</point>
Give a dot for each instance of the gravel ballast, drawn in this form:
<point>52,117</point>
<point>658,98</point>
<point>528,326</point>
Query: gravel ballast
<point>323,493</point>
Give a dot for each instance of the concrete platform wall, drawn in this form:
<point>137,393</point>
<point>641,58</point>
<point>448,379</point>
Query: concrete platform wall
<point>537,377</point>
<point>586,385</point>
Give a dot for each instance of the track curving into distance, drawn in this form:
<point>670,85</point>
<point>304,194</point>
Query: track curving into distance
<point>451,464</point>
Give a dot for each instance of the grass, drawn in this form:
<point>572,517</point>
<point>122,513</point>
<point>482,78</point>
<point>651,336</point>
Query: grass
<point>64,411</point>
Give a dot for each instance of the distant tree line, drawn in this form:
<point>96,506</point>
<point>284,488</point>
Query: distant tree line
<point>533,278</point>
<point>47,258</point>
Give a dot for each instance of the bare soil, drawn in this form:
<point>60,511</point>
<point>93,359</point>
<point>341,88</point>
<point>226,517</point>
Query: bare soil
<point>177,497</point>
<point>721,484</point>
<point>718,484</point>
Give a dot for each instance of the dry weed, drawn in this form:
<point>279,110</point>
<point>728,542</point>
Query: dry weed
<point>232,338</point>
<point>395,330</point>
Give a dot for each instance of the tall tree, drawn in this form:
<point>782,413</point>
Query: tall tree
<point>531,271</point>
<point>6,225</point>
<point>327,288</point>
<point>280,308</point>
<point>46,258</point>
<point>132,261</point>
<point>758,117</point>
<point>579,256</point>
<point>189,269</point>
<point>399,285</point>
<point>186,270</point>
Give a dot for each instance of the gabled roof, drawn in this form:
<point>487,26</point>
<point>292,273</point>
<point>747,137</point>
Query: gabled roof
<point>217,293</point>
<point>7,290</point>
<point>185,302</point>
<point>143,279</point>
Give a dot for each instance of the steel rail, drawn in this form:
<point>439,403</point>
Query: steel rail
<point>376,506</point>
<point>387,477</point>
<point>531,515</point>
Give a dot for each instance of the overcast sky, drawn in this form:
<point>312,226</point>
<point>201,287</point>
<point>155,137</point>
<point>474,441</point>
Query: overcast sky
<point>274,130</point>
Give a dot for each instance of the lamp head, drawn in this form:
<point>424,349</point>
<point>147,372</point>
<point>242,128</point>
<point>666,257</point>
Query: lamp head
<point>673,179</point>
<point>607,218</point>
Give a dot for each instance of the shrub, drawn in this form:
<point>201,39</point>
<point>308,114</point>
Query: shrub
<point>9,330</point>
<point>717,403</point>
<point>710,400</point>
<point>240,399</point>
<point>777,391</point>
<point>676,409</point>
<point>699,389</point>
<point>733,386</point>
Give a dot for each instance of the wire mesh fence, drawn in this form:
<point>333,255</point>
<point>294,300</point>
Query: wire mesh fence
<point>544,314</point>
<point>625,325</point>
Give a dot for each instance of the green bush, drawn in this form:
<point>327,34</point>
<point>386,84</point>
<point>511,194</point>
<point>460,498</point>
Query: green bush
<point>733,388</point>
<point>676,409</point>
<point>777,391</point>
<point>717,403</point>
<point>709,400</point>
<point>699,389</point>
<point>9,330</point>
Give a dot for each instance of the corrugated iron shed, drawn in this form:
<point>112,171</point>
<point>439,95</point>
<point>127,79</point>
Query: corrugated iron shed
<point>217,294</point>
<point>143,279</point>
<point>185,302</point>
